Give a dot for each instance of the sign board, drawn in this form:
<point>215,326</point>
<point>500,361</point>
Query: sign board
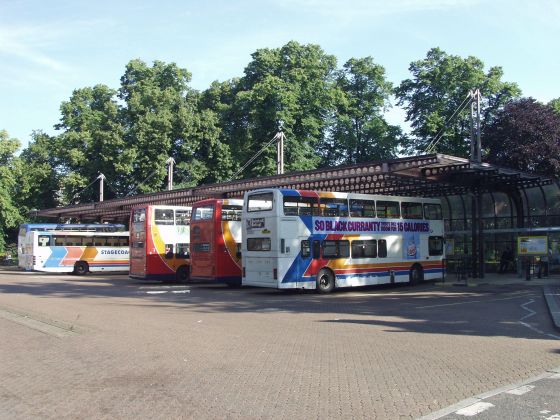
<point>532,245</point>
<point>450,247</point>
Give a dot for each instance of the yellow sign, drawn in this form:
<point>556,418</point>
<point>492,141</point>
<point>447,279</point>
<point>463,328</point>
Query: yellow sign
<point>532,245</point>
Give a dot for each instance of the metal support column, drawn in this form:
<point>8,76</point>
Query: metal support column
<point>101,179</point>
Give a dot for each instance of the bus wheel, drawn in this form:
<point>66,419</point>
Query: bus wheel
<point>416,275</point>
<point>325,281</point>
<point>81,268</point>
<point>183,274</point>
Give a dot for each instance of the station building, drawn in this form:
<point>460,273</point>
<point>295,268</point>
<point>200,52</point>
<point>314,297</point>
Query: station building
<point>486,207</point>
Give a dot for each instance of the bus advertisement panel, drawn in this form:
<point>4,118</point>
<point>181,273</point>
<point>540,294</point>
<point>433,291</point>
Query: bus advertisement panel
<point>216,241</point>
<point>160,242</point>
<point>323,240</point>
<point>60,248</point>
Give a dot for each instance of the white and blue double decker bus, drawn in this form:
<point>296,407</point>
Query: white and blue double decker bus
<point>323,240</point>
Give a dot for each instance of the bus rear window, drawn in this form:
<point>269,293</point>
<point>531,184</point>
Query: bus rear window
<point>203,213</point>
<point>433,211</point>
<point>139,216</point>
<point>259,202</point>
<point>258,244</point>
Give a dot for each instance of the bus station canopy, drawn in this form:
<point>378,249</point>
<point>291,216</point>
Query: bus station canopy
<point>433,175</point>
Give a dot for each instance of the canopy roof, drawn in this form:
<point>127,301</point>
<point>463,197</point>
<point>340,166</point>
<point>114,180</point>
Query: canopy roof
<point>432,175</point>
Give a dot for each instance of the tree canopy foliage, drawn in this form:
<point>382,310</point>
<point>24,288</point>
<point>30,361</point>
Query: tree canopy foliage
<point>330,115</point>
<point>525,135</point>
<point>10,168</point>
<point>439,85</point>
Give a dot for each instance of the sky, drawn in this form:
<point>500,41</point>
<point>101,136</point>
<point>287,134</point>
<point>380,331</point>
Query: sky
<point>50,48</point>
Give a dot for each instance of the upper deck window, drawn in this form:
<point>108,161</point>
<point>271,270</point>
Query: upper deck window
<point>433,211</point>
<point>302,206</point>
<point>259,202</point>
<point>334,207</point>
<point>139,216</point>
<point>163,216</point>
<point>203,213</point>
<point>411,210</point>
<point>388,209</point>
<point>182,217</point>
<point>231,213</point>
<point>362,208</point>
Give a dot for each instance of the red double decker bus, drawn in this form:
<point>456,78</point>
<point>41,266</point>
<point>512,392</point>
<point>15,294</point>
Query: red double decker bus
<point>159,242</point>
<point>216,241</point>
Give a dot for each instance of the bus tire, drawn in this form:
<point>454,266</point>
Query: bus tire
<point>183,274</point>
<point>325,281</point>
<point>81,268</point>
<point>416,275</point>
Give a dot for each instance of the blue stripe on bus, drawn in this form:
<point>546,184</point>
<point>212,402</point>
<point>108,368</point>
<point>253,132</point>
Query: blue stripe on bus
<point>290,193</point>
<point>57,255</point>
<point>286,279</point>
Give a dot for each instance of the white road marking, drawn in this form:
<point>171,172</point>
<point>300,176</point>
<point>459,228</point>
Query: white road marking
<point>469,302</point>
<point>529,315</point>
<point>181,291</point>
<point>531,312</point>
<point>473,410</point>
<point>156,292</point>
<point>553,417</point>
<point>521,390</point>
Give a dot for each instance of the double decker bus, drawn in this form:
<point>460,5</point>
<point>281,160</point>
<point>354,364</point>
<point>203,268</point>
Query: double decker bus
<point>216,241</point>
<point>76,248</point>
<point>159,242</point>
<point>323,240</point>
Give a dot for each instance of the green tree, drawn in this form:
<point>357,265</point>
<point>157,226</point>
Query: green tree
<point>10,216</point>
<point>92,142</point>
<point>159,117</point>
<point>359,132</point>
<point>292,85</point>
<point>39,180</point>
<point>555,104</point>
<point>438,86</point>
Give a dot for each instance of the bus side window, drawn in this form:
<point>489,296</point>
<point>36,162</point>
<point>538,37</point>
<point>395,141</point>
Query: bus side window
<point>364,249</point>
<point>388,209</point>
<point>44,240</point>
<point>336,249</point>
<point>316,249</point>
<point>305,249</point>
<point>59,241</point>
<point>382,248</point>
<point>183,251</point>
<point>168,251</point>
<point>411,210</point>
<point>435,245</point>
